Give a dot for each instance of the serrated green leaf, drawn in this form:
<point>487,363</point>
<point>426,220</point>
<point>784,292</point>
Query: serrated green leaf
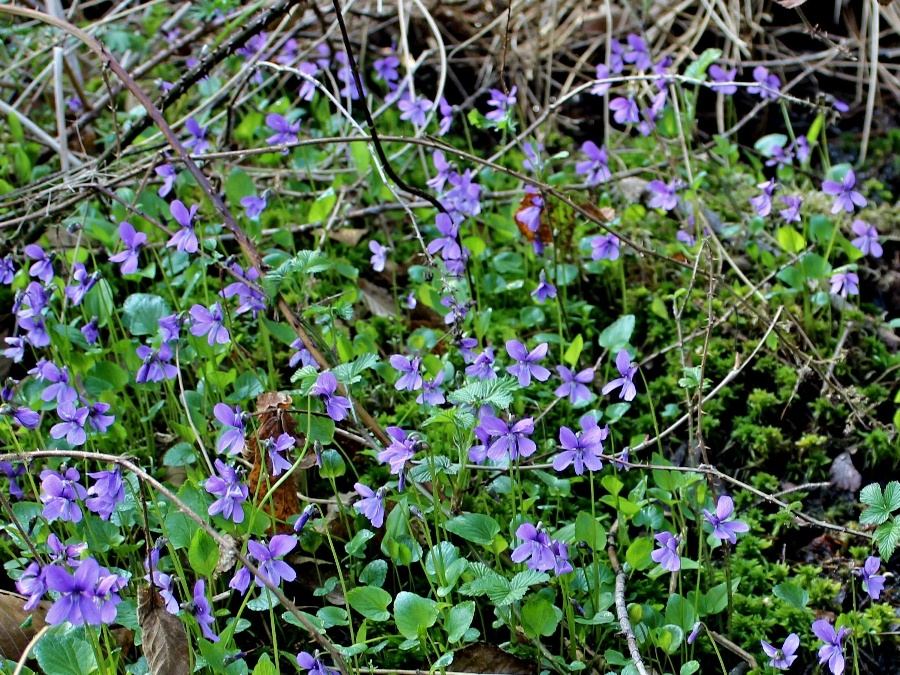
<point>879,503</point>
<point>888,538</point>
<point>497,392</point>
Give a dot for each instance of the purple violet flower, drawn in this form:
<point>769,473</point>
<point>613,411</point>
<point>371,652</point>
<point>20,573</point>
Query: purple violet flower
<point>32,584</point>
<point>482,366</point>
<point>211,323</point>
<point>313,666</point>
<point>526,365</point>
<point>501,104</point>
<point>253,206</point>
<point>82,282</point>
<point>410,378</point>
<point>581,450</point>
<point>246,289</point>
<point>447,243</point>
<point>186,238</point>
<point>72,425</point>
<point>782,658</point>
<point>846,198</point>
<point>325,387</point>
<point>197,142</point>
<point>379,255</point>
<point>271,568</point>
<point>545,290</point>
<point>386,69</point>
<point>720,75</point>
<point>107,492</point>
<point>169,327</point>
<point>59,494</point>
<point>637,53</point>
<point>432,394</point>
<point>446,111</point>
<point>42,267</point>
<point>415,110</point>
<point>767,87</point>
<point>155,366</point>
<point>168,175</point>
<point>791,212</point>
<point>133,241</point>
<point>722,521</point>
<point>574,385</point>
<point>285,132</point>
<point>831,652</point>
<point>625,110</point>
<point>625,381</point>
<point>762,203</point>
<point>230,491</point>
<point>601,73</point>
<point>667,553</point>
<point>301,355</point>
<point>844,284</point>
<point>77,602</point>
<point>866,240</point>
<point>90,331</point>
<point>98,419</point>
<point>203,611</point>
<point>7,270</point>
<point>872,583</point>
<point>399,452</point>
<point>231,442</point>
<point>663,195</point>
<point>605,247</point>
<point>535,550</point>
<point>512,438</point>
<point>371,504</point>
<point>595,168</point>
<point>276,449</point>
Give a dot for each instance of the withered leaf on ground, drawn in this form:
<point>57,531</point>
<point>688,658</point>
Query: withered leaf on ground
<point>164,639</point>
<point>14,638</point>
<point>274,420</point>
<point>482,657</point>
<point>378,299</point>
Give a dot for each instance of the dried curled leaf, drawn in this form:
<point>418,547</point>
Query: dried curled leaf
<point>164,639</point>
<point>482,657</point>
<point>274,420</point>
<point>14,638</point>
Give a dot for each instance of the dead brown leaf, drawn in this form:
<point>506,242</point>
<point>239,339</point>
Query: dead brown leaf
<point>350,236</point>
<point>164,640</point>
<point>482,657</point>
<point>274,420</point>
<point>378,300</point>
<point>14,638</point>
